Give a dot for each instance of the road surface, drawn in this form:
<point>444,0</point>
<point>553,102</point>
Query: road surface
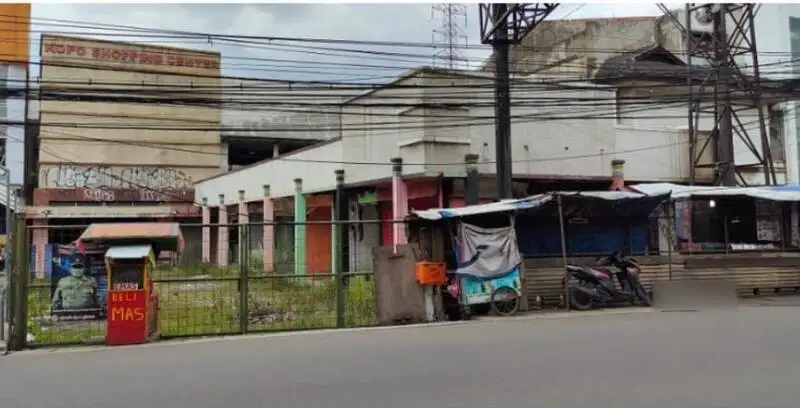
<point>746,358</point>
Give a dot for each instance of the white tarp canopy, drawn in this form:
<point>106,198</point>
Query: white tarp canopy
<point>788,192</point>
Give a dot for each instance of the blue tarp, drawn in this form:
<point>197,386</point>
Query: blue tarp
<point>786,192</point>
<point>613,220</point>
<point>530,204</point>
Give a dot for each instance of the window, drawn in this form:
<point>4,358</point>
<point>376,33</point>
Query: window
<point>794,33</point>
<point>776,134</point>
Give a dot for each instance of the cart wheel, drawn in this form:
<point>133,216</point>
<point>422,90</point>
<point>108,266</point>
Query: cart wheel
<point>505,301</point>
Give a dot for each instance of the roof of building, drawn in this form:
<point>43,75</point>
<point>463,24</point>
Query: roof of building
<point>649,63</point>
<point>97,232</point>
<point>129,252</point>
<point>656,63</point>
<point>162,235</point>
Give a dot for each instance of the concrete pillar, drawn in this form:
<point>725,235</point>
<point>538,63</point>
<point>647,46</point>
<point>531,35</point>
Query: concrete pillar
<point>269,232</point>
<point>399,202</point>
<point>791,144</point>
<point>223,158</point>
<point>299,228</point>
<point>276,150</point>
<point>243,219</point>
<point>337,214</point>
<point>472,182</point>
<point>206,240</point>
<point>617,174</point>
<point>40,239</point>
<point>222,235</point>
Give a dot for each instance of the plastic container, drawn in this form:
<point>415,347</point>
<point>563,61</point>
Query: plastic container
<point>431,273</point>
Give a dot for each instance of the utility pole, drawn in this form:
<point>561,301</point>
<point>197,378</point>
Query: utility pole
<point>503,24</point>
<point>502,100</point>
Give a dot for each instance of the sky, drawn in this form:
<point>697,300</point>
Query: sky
<point>410,23</point>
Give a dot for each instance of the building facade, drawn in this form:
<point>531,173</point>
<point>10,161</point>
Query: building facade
<point>573,115</point>
<point>125,131</point>
<point>778,31</point>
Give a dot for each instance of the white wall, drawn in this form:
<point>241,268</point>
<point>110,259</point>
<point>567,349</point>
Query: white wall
<point>774,45</point>
<point>773,39</point>
<point>316,167</point>
<point>557,132</point>
<point>278,110</point>
<point>563,132</point>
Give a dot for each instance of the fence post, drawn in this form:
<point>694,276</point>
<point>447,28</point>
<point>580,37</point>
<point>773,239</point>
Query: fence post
<point>20,272</point>
<point>339,237</point>
<point>244,288</point>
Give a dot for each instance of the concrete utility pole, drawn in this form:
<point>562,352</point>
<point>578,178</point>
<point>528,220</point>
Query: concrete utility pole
<point>502,100</point>
<point>503,24</point>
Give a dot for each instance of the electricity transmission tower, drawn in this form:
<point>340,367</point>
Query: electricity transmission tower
<point>449,35</point>
<point>718,37</point>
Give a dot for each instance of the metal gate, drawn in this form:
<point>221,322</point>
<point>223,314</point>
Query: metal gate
<point>207,297</point>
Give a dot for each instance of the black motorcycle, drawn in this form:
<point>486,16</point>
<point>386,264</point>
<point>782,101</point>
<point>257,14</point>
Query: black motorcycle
<point>592,287</point>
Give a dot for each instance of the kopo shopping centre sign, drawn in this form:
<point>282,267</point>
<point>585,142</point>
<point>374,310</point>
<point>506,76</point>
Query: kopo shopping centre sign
<point>130,55</point>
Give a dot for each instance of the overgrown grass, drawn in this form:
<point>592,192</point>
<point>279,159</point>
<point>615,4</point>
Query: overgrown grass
<point>201,300</point>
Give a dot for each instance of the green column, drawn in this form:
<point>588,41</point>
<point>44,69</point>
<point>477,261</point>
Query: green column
<point>299,228</point>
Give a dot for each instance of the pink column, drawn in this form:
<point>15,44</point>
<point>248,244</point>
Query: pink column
<point>222,235</point>
<point>40,240</point>
<point>206,231</point>
<point>243,219</point>
<point>399,202</point>
<point>269,231</point>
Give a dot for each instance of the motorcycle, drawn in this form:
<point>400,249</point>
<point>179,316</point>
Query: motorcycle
<point>592,287</point>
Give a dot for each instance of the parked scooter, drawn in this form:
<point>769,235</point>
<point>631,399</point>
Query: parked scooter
<point>592,287</point>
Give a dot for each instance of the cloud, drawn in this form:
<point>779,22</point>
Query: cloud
<point>410,23</point>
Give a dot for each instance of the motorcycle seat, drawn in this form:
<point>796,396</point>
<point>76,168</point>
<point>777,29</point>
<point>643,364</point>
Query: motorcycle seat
<point>585,268</point>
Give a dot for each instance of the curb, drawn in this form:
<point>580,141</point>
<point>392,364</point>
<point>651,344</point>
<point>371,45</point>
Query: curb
<point>566,315</point>
<point>210,339</point>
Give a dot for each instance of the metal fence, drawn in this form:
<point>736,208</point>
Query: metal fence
<point>222,286</point>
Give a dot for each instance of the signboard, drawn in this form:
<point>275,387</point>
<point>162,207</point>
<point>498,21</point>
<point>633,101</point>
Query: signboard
<point>133,55</point>
<point>127,317</point>
<point>369,198</point>
<point>68,52</point>
<point>77,285</point>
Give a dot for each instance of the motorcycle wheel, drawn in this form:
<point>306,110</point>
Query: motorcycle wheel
<point>579,300</point>
<point>644,298</point>
<point>505,301</point>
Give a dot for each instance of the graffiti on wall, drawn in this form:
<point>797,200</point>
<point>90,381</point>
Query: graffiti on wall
<point>105,177</point>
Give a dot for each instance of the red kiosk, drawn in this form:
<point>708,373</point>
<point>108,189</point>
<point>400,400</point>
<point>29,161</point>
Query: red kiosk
<point>130,257</point>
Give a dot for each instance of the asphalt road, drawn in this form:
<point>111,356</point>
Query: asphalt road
<point>746,358</point>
